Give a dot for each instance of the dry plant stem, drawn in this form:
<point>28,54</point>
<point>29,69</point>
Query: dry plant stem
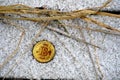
<point>14,7</point>
<point>108,14</point>
<point>96,30</point>
<point>78,27</point>
<point>100,24</point>
<point>65,46</point>
<point>44,25</point>
<point>58,15</point>
<point>96,57</point>
<point>75,60</point>
<point>13,67</point>
<point>18,61</point>
<point>63,26</point>
<point>97,60</point>
<point>55,13</point>
<point>23,9</point>
<point>104,5</point>
<point>60,24</point>
<point>71,36</point>
<point>98,64</point>
<point>30,46</point>
<point>102,31</point>
<point>17,48</point>
<point>19,5</point>
<point>90,55</point>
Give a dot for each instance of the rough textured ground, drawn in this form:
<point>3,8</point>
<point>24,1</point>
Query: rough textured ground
<point>72,60</point>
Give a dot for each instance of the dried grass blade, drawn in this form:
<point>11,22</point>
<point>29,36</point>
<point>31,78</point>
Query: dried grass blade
<point>17,48</point>
<point>71,36</point>
<point>100,24</point>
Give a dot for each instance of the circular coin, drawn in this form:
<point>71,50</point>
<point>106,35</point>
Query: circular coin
<point>43,51</point>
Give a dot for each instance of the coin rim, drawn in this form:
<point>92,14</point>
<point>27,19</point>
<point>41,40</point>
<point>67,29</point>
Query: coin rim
<point>48,60</point>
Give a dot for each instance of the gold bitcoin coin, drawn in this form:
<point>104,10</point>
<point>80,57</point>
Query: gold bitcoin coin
<point>43,51</point>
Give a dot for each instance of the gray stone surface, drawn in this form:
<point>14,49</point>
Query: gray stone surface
<point>72,60</point>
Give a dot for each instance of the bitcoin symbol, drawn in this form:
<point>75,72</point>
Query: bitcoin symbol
<point>43,51</point>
